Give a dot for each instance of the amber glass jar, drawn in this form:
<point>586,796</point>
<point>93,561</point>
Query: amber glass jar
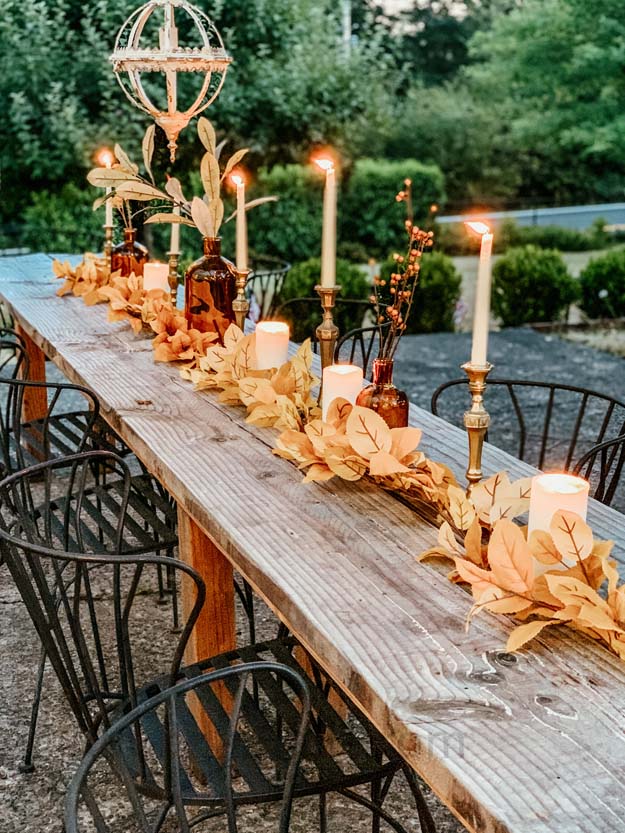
<point>383,397</point>
<point>129,256</point>
<point>209,290</point>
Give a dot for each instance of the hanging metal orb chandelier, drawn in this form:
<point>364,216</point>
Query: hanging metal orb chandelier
<point>133,57</point>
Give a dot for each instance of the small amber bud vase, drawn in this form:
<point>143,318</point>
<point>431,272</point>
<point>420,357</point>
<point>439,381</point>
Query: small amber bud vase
<point>383,397</point>
<point>210,287</point>
<point>129,256</point>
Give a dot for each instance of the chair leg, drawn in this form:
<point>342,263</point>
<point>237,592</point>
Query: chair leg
<point>376,792</point>
<point>323,813</point>
<point>425,817</point>
<point>27,765</point>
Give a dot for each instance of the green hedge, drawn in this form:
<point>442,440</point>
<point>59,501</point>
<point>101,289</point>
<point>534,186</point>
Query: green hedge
<point>531,285</point>
<point>436,296</point>
<point>602,286</point>
<point>63,222</point>
<point>370,220</point>
<point>371,215</point>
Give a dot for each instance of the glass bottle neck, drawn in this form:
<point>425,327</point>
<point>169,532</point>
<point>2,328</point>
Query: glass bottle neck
<point>212,246</point>
<point>129,235</point>
<point>383,372</point>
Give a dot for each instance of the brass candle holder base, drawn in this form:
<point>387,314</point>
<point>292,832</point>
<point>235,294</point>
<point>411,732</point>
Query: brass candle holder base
<point>240,305</point>
<point>476,420</point>
<point>108,247</point>
<point>172,278</point>
<point>327,331</point>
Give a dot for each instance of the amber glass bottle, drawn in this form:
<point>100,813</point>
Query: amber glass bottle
<point>209,290</point>
<point>129,256</point>
<point>383,397</point>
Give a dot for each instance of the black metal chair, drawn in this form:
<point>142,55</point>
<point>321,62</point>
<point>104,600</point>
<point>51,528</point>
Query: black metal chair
<point>152,792</point>
<point>361,345</point>
<point>77,601</point>
<point>603,467</point>
<point>545,424</point>
<point>266,282</point>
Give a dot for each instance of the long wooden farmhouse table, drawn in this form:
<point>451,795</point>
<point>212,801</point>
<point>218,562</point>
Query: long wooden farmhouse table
<point>532,743</point>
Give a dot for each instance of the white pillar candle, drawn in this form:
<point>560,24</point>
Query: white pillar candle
<point>340,381</point>
<point>242,248</point>
<point>328,240</point>
<point>481,317</point>
<point>272,344</point>
<point>156,276</point>
<point>174,243</point>
<point>553,492</point>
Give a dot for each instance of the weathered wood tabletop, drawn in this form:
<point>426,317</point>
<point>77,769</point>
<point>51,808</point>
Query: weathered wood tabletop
<point>528,744</point>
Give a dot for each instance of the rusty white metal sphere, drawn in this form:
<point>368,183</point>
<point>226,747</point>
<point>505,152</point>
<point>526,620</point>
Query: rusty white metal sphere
<point>133,56</point>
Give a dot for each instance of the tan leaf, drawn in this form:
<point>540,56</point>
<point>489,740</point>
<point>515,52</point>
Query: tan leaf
<point>141,191</point>
<point>169,218</point>
<point>461,508</point>
<point>436,553</point>
<point>264,415</point>
<point>619,605</point>
<point>509,605</point>
<point>344,463</point>
<point>447,539</point>
<point>508,508</point>
<point>147,147</point>
<point>234,160</point>
<point>510,558</point>
<point>525,633</point>
<point>338,412</point>
<point>383,464</point>
<point>298,445</point>
<point>174,189</point>
<point>486,494</point>
<point>589,604</point>
<point>202,217</point>
<point>542,547</point>
<point>519,490</point>
<point>124,161</point>
<point>216,209</point>
<point>473,543</point>
<point>256,390</point>
<point>572,537</point>
<point>206,134</point>
<point>209,171</point>
<point>318,473</point>
<point>405,441</point>
<point>367,432</point>
<point>483,585</point>
<point>233,336</point>
<point>107,177</point>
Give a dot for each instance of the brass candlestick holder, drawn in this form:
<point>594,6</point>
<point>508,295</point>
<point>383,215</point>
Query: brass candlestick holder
<point>327,331</point>
<point>108,247</point>
<point>240,305</point>
<point>172,278</point>
<point>476,420</point>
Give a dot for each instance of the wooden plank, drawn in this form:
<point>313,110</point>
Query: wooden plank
<point>529,744</point>
<point>35,403</point>
<point>215,631</point>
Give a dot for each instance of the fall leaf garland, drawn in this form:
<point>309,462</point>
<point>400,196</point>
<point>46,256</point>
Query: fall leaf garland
<point>563,576</point>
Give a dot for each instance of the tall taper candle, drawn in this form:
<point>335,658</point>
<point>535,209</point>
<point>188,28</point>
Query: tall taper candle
<point>174,242</point>
<point>328,242</point>
<point>105,158</point>
<point>481,317</point>
<point>242,250</point>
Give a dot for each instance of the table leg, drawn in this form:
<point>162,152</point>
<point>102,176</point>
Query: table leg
<point>35,404</point>
<point>215,631</point>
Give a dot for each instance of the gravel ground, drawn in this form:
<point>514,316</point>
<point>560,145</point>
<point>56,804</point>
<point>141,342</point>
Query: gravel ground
<point>32,803</point>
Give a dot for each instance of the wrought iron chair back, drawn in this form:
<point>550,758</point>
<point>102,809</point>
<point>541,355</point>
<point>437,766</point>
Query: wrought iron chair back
<point>603,467</point>
<point>266,282</point>
<point>545,424</point>
<point>63,549</point>
<point>160,794</point>
<point>65,428</point>
<point>361,345</point>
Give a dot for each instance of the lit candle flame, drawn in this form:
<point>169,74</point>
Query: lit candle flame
<point>105,158</point>
<point>478,228</point>
<point>325,164</point>
<point>237,179</point>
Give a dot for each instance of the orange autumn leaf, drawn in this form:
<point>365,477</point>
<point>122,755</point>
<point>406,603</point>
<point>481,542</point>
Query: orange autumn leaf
<point>405,441</point>
<point>571,535</point>
<point>383,464</point>
<point>523,634</point>
<point>367,432</point>
<point>543,548</point>
<point>460,507</point>
<point>510,558</point>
